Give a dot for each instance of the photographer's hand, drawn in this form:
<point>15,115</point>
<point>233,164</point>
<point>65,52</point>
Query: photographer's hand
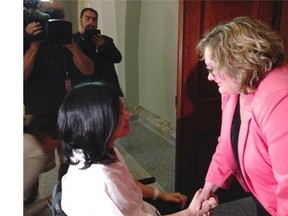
<point>99,40</point>
<point>33,29</point>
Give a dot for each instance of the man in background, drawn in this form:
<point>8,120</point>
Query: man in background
<point>100,48</point>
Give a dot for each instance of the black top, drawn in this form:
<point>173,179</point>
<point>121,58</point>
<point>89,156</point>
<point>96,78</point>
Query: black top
<point>236,123</point>
<point>235,132</point>
<point>104,59</point>
<point>45,88</point>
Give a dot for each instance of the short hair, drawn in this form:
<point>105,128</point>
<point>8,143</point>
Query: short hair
<point>248,48</point>
<point>54,8</point>
<point>87,119</point>
<point>88,9</point>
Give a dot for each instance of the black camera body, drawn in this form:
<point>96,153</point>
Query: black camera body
<point>55,29</point>
<point>58,31</point>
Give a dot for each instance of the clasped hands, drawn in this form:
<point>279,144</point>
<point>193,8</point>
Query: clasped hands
<point>203,203</point>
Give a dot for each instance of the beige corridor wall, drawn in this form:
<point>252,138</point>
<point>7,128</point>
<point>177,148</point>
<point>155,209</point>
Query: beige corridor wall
<point>158,57</point>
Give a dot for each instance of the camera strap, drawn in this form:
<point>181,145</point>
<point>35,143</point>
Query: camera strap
<point>68,83</point>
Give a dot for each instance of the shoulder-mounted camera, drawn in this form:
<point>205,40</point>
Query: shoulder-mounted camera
<point>55,29</point>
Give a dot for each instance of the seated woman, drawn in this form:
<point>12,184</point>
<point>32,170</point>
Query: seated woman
<point>90,119</point>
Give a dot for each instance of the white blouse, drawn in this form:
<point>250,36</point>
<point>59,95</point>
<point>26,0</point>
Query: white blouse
<point>102,190</point>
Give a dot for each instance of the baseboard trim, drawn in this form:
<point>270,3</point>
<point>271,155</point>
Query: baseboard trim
<point>154,123</point>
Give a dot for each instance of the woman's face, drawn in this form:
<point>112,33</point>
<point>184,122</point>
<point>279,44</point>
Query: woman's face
<point>123,127</point>
<point>226,84</point>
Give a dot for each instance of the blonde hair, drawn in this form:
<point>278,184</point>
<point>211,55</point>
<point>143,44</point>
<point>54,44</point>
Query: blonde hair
<point>248,48</point>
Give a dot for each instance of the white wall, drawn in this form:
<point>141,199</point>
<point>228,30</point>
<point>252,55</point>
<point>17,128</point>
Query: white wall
<point>158,57</point>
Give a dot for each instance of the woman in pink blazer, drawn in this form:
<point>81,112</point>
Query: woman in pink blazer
<point>245,58</point>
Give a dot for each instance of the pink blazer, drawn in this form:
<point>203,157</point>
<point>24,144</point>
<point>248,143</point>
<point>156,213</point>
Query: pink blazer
<point>262,145</point>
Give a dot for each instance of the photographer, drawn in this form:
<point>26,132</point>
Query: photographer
<point>50,69</point>
<point>100,48</point>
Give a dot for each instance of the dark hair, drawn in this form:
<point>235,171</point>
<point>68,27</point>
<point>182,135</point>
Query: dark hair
<point>88,9</point>
<point>87,119</point>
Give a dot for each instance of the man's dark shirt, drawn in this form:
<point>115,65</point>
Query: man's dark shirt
<point>104,59</point>
<point>45,89</point>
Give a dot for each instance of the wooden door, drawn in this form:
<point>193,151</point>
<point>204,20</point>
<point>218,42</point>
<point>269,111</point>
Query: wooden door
<point>198,101</point>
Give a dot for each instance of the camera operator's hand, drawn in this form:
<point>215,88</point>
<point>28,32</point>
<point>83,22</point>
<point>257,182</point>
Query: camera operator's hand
<point>33,29</point>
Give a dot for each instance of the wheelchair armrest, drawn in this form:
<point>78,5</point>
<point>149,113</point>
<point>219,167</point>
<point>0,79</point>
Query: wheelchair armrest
<point>148,180</point>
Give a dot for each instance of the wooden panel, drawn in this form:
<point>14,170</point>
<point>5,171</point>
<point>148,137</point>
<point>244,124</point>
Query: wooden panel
<point>188,36</point>
<point>283,26</point>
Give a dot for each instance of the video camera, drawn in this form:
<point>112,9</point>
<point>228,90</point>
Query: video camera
<point>55,29</point>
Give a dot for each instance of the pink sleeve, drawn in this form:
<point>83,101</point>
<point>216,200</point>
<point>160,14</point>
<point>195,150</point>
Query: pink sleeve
<point>273,120</point>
